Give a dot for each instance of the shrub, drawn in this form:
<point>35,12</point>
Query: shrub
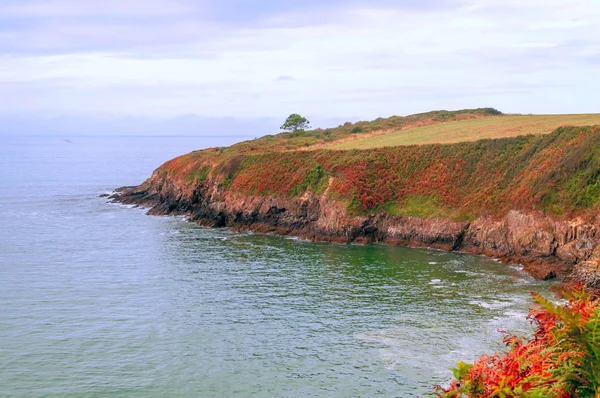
<point>444,116</point>
<point>561,359</point>
<point>558,173</point>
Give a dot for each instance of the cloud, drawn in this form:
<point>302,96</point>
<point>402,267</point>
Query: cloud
<point>326,60</point>
<point>284,78</point>
<point>593,59</point>
<point>149,27</point>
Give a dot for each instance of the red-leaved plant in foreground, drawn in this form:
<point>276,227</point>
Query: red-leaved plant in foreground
<point>561,359</point>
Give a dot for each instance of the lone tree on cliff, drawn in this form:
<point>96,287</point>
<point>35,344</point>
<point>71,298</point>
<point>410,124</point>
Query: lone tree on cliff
<point>295,122</point>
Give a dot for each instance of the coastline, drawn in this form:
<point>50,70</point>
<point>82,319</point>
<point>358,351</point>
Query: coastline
<point>546,247</point>
<point>529,200</point>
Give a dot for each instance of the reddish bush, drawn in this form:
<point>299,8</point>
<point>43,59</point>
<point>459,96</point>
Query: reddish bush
<point>555,173</point>
<point>561,359</point>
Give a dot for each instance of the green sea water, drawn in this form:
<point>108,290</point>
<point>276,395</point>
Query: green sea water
<point>98,299</point>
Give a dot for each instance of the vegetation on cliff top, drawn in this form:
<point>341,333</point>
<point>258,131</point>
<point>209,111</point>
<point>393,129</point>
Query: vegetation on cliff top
<point>436,127</point>
<point>469,130</point>
<point>295,122</point>
<point>557,173</point>
<point>313,139</point>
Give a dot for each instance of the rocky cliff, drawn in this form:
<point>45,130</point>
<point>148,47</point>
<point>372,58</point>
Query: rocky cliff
<point>511,216</point>
<point>546,246</point>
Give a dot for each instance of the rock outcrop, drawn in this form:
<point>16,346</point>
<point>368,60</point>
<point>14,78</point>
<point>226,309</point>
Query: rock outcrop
<point>547,246</point>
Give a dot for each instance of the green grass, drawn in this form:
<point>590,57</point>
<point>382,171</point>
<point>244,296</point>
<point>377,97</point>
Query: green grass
<point>312,139</point>
<point>426,207</point>
<point>417,206</point>
<point>197,175</point>
<point>469,130</point>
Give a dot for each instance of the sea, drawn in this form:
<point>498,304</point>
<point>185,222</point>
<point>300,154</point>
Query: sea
<point>101,300</point>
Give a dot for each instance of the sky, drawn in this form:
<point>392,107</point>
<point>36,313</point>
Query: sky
<point>241,67</point>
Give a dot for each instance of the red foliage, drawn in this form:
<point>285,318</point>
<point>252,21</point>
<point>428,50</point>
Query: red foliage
<point>547,362</point>
<point>491,176</point>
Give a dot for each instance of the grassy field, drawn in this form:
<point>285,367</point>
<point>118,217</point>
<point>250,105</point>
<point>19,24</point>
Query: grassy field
<point>318,138</point>
<point>467,130</point>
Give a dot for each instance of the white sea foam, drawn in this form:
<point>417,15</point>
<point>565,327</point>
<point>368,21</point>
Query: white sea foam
<point>516,314</point>
<point>496,304</point>
<point>470,273</point>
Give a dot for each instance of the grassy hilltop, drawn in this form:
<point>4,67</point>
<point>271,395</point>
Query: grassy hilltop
<point>435,127</point>
<point>541,166</point>
<point>470,130</point>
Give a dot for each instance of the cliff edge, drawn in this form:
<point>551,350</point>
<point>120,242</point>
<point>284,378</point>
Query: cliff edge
<point>530,199</point>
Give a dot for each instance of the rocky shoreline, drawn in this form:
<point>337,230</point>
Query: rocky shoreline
<point>546,246</point>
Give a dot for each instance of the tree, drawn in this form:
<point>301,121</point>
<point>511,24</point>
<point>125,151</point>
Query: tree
<point>295,122</point>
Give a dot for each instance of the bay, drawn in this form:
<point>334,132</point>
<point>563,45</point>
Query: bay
<point>98,299</point>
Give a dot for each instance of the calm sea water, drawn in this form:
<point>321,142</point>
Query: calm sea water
<point>98,299</point>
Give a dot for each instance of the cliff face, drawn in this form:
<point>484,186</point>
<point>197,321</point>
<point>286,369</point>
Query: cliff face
<point>547,246</point>
<point>533,200</point>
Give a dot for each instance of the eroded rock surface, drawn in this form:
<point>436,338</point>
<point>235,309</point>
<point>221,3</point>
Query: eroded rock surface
<point>546,246</point>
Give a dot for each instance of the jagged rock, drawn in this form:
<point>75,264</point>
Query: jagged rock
<point>587,272</point>
<point>546,246</point>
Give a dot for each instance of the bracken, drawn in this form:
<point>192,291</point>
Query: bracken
<point>561,359</point>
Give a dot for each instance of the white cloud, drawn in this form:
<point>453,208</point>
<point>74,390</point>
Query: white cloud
<point>534,56</point>
<point>70,8</point>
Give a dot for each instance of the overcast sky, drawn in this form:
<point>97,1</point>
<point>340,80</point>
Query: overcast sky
<point>137,64</point>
